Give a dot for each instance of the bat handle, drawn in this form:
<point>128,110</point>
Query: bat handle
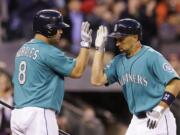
<point>61,132</point>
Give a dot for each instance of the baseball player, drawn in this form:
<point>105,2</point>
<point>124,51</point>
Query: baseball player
<point>149,82</point>
<point>39,74</point>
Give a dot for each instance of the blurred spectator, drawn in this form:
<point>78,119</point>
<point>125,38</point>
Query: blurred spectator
<point>5,96</point>
<point>60,3</point>
<point>174,16</point>
<point>167,31</point>
<point>26,11</point>
<point>174,6</point>
<point>132,10</point>
<point>2,65</point>
<point>63,122</point>
<point>70,122</point>
<point>174,59</point>
<point>90,123</point>
<point>117,9</point>
<point>14,22</point>
<point>147,19</point>
<point>162,10</point>
<point>88,5</point>
<point>101,15</point>
<point>95,18</point>
<point>21,13</point>
<point>117,128</point>
<point>70,118</point>
<point>3,18</point>
<point>74,18</point>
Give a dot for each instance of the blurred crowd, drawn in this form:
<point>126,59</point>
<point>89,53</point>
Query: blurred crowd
<point>6,92</point>
<point>160,20</point>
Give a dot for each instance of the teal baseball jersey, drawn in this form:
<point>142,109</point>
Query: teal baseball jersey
<point>39,75</point>
<point>143,78</point>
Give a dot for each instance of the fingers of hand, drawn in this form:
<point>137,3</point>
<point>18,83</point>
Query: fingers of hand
<point>99,31</point>
<point>82,26</point>
<point>102,31</point>
<point>101,36</point>
<point>90,35</point>
<point>106,31</point>
<point>151,124</point>
<point>85,27</point>
<point>90,32</point>
<point>86,32</point>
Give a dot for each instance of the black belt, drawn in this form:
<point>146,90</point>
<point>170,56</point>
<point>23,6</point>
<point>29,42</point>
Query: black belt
<point>141,115</point>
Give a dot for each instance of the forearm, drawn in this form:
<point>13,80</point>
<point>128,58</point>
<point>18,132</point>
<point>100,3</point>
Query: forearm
<point>82,59</point>
<point>171,91</point>
<point>98,77</point>
<point>97,69</point>
<point>81,62</point>
<point>173,87</point>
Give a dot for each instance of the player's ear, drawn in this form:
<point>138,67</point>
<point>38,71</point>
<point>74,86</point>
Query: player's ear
<point>136,37</point>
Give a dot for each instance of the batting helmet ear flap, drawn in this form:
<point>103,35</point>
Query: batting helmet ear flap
<point>50,30</point>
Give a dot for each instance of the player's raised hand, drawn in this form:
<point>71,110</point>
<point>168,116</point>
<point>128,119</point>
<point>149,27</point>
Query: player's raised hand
<point>154,116</point>
<point>86,35</point>
<point>101,38</point>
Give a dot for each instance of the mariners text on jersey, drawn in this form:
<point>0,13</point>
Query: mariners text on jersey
<point>126,78</point>
<point>28,52</point>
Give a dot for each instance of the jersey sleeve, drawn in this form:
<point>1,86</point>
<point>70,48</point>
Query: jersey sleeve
<point>110,71</point>
<point>163,69</point>
<point>59,62</point>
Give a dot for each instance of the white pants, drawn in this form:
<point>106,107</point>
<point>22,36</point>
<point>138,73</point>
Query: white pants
<point>33,121</point>
<point>166,126</point>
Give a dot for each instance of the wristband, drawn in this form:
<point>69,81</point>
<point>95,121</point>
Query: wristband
<point>168,98</point>
<point>100,49</point>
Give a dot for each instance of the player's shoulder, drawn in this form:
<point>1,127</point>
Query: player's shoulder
<point>44,47</point>
<point>116,59</point>
<point>119,56</point>
<point>151,52</point>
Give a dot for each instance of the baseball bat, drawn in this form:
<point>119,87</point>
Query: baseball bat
<point>5,104</point>
<point>61,132</point>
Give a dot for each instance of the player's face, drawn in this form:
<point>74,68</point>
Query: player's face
<point>55,39</point>
<point>126,44</point>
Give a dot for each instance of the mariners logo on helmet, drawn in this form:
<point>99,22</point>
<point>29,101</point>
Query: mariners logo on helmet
<point>47,22</point>
<point>126,27</point>
<point>115,27</point>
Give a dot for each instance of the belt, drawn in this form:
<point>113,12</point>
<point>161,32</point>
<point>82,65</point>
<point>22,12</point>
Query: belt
<point>141,115</point>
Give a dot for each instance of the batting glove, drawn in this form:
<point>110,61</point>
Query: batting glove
<point>154,116</point>
<point>86,35</point>
<point>101,38</point>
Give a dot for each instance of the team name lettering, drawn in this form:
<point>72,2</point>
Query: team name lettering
<point>28,52</point>
<point>132,78</point>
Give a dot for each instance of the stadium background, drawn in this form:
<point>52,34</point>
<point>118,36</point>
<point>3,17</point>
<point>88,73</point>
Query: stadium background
<point>89,110</point>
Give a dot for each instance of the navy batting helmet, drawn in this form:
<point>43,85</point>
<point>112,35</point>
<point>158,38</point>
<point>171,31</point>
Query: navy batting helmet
<point>47,22</point>
<point>126,27</point>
